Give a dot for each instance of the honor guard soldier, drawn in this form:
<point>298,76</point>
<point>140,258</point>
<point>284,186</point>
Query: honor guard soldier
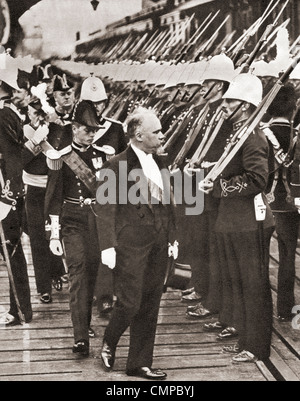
<point>206,275</point>
<point>281,137</point>
<point>244,228</point>
<point>70,199</point>
<point>47,267</point>
<point>111,131</point>
<point>12,99</point>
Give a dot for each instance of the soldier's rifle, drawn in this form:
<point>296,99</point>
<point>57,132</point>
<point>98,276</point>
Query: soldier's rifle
<point>124,45</point>
<point>200,34</point>
<point>265,38</point>
<point>191,42</point>
<point>190,138</point>
<point>175,39</point>
<point>210,135</point>
<point>4,243</point>
<point>213,38</point>
<point>161,47</point>
<point>273,43</point>
<point>240,137</point>
<point>294,45</point>
<point>142,53</point>
<point>176,128</point>
<point>138,46</point>
<point>223,44</point>
<point>155,43</point>
<point>132,49</point>
<point>237,48</point>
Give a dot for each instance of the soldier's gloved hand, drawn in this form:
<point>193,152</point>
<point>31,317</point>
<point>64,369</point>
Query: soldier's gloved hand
<point>108,257</point>
<point>206,186</point>
<point>56,247</point>
<point>4,210</point>
<point>173,250</point>
<point>40,134</point>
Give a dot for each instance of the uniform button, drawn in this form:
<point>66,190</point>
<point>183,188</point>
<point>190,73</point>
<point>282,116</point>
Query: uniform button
<point>80,191</point>
<point>141,215</point>
<point>78,183</point>
<point>138,206</point>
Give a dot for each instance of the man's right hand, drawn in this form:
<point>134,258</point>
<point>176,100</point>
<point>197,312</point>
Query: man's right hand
<point>56,247</point>
<point>108,257</point>
<point>4,210</point>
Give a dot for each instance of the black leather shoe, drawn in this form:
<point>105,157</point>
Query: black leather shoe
<point>147,373</point>
<point>92,334</point>
<point>107,356</point>
<point>81,347</point>
<point>46,298</point>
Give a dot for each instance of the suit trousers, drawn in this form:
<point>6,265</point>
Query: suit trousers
<point>142,255</point>
<point>46,265</point>
<point>12,226</point>
<point>287,227</point>
<point>80,240</point>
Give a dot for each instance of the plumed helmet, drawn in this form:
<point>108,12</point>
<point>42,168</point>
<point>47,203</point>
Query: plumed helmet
<point>245,87</point>
<point>45,73</point>
<point>85,114</point>
<point>93,89</point>
<point>62,84</point>
<point>219,68</point>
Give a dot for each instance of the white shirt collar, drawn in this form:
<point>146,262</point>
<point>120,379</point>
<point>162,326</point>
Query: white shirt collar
<point>149,166</point>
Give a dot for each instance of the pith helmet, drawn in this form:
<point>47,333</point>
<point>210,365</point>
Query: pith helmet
<point>219,68</point>
<point>93,89</point>
<point>245,87</point>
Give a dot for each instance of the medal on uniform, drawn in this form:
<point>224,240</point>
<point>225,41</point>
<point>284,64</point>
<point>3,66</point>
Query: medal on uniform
<point>97,162</point>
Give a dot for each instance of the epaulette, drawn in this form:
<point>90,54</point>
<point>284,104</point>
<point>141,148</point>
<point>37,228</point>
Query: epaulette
<point>107,149</point>
<point>65,150</point>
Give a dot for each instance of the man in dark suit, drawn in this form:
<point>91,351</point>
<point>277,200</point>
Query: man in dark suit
<point>137,233</point>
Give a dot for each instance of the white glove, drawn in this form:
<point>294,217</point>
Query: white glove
<point>4,210</point>
<point>173,250</point>
<point>206,186</point>
<point>56,247</point>
<point>108,257</point>
<point>40,134</point>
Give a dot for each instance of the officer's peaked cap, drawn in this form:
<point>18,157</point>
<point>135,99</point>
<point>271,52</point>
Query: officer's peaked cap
<point>85,114</point>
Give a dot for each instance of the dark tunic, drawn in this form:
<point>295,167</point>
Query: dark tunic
<point>11,145</point>
<point>287,219</point>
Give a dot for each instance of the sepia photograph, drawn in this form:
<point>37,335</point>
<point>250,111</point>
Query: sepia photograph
<point>149,193</point>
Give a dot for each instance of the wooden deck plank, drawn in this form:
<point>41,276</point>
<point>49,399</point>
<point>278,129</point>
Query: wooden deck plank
<point>42,350</point>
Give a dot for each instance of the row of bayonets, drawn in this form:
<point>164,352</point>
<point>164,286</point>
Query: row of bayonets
<point>172,45</point>
<point>164,41</point>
